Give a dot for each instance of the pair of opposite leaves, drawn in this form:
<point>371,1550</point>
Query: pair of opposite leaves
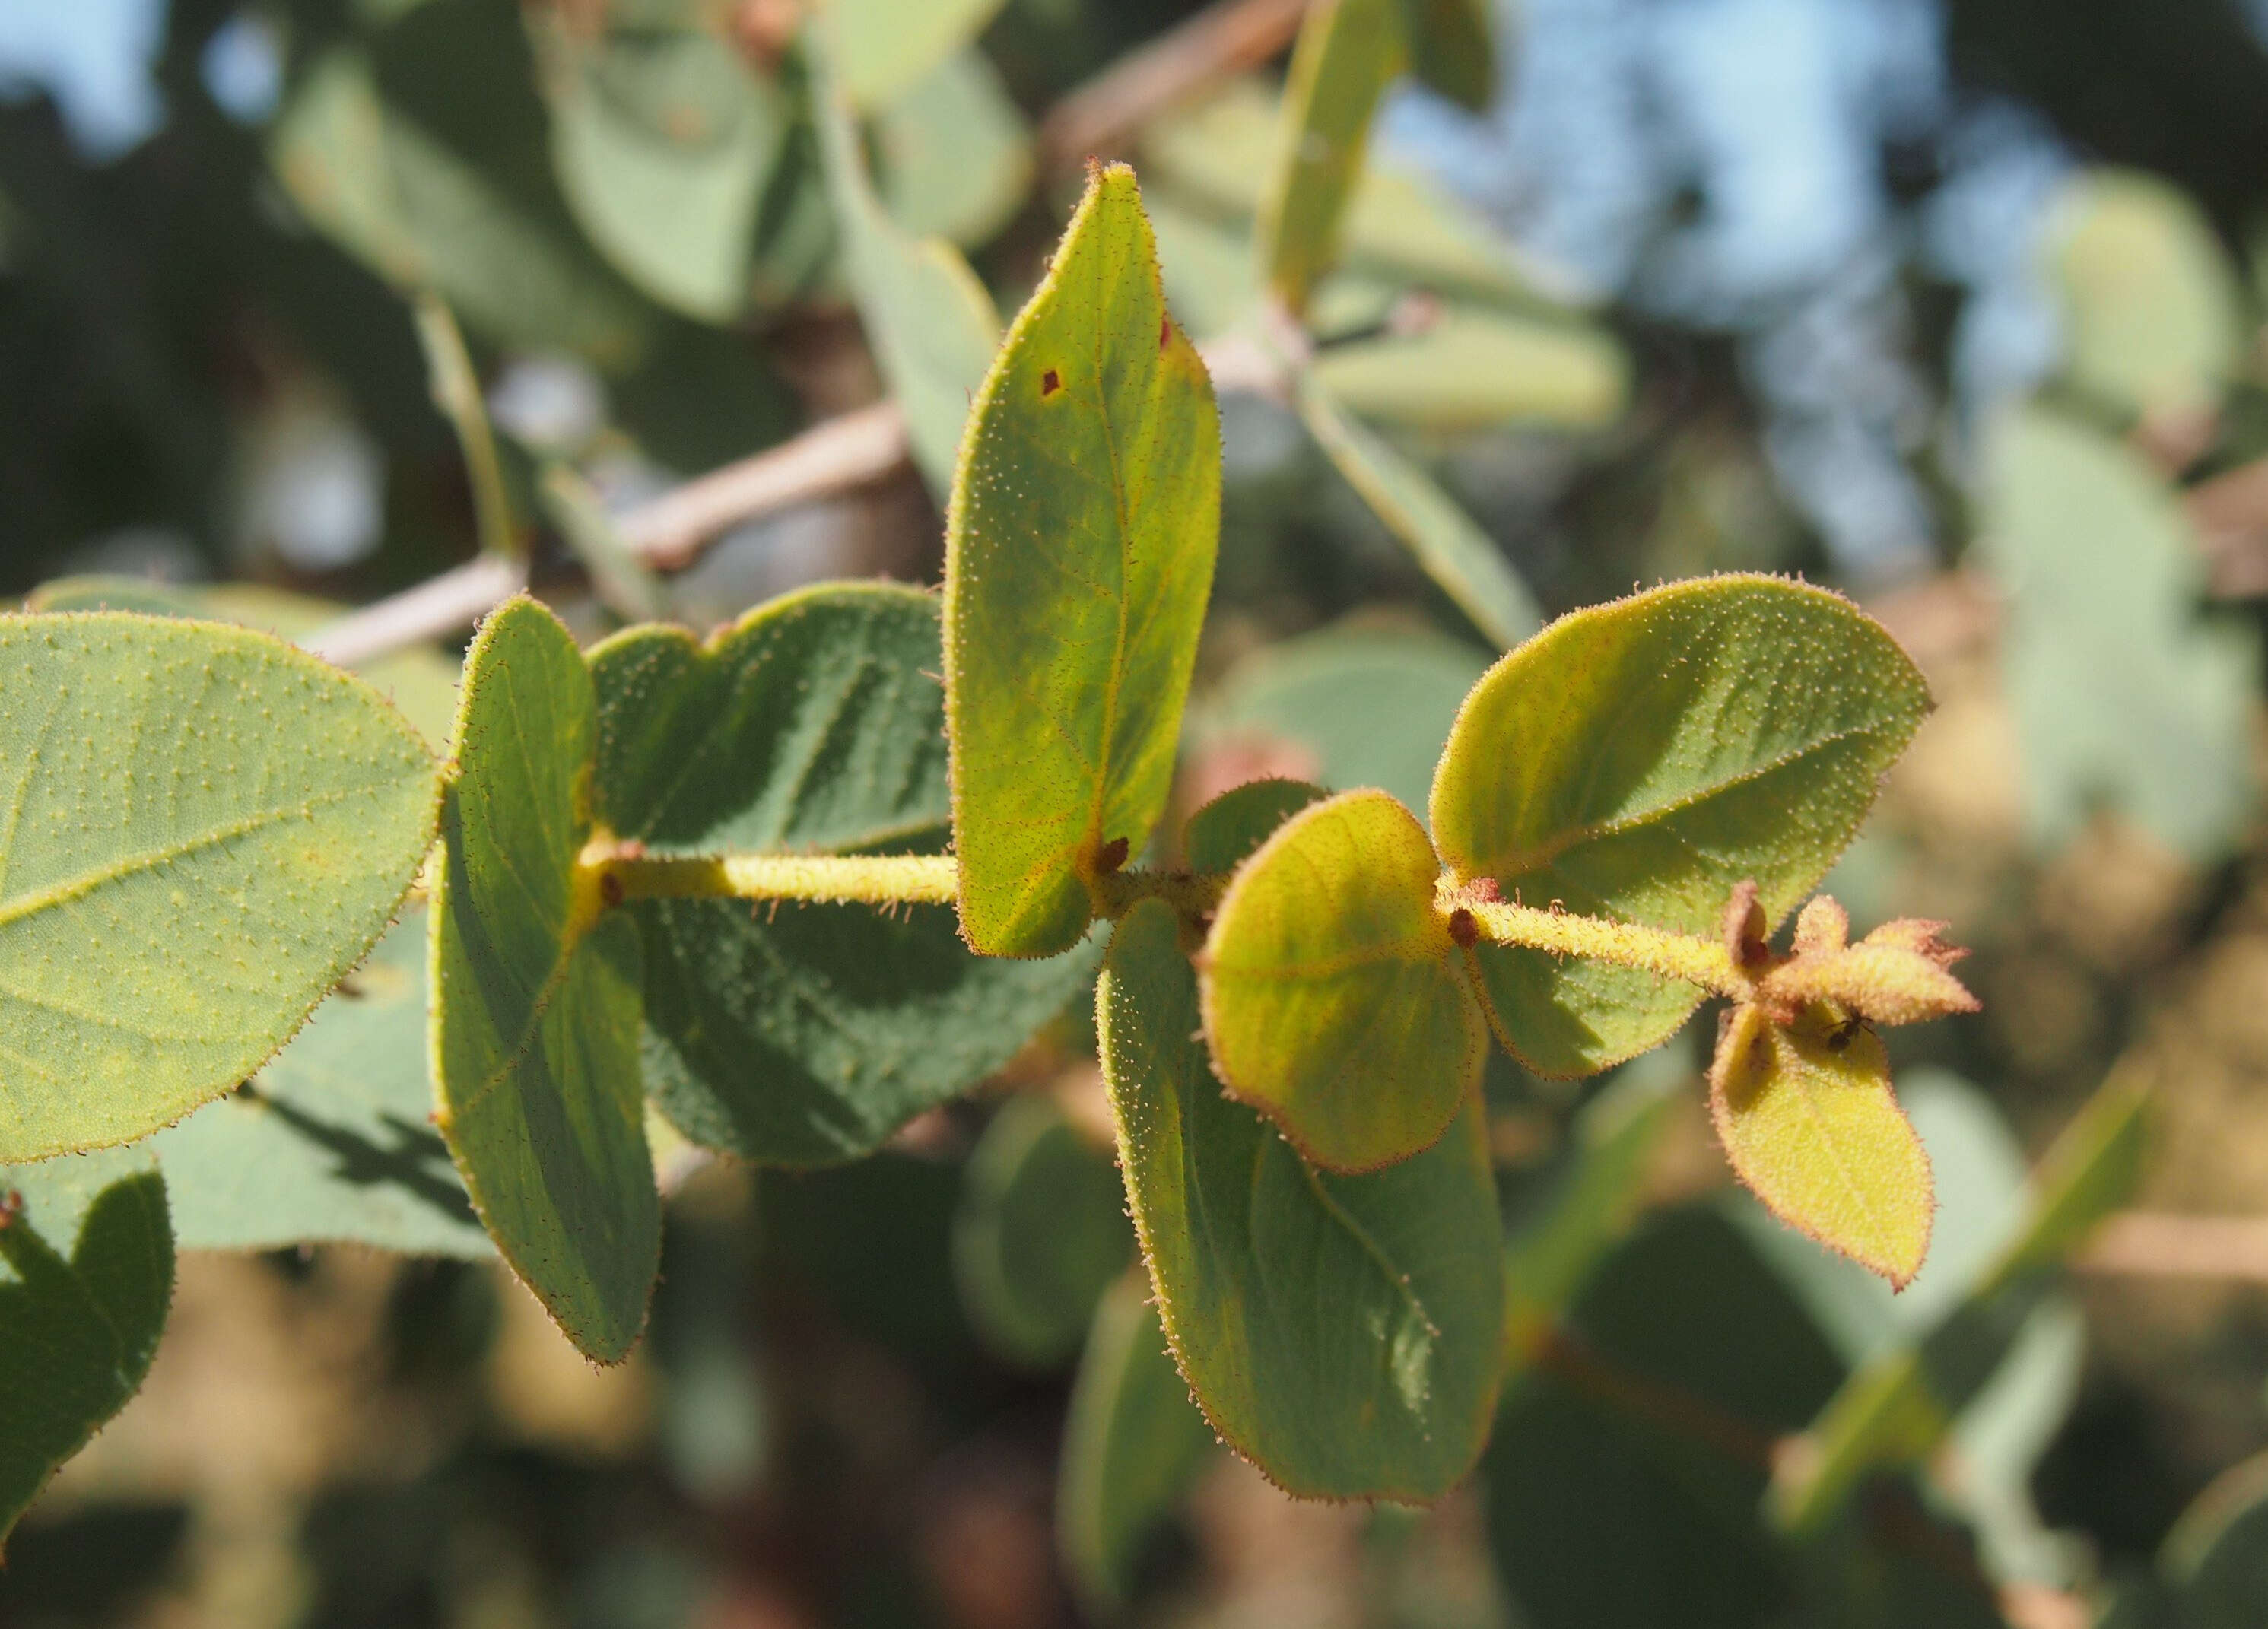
<point>1637,761</point>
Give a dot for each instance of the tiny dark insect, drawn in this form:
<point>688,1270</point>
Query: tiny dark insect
<point>1845,1032</point>
<point>1050,382</point>
<point>1463,929</point>
<point>1111,856</point>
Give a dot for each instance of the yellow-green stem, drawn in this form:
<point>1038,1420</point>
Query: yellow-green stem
<point>615,876</point>
<point>1698,961</point>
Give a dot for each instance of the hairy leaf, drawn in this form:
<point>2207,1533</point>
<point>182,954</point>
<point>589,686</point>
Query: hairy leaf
<point>933,325</point>
<point>1639,760</point>
<point>1808,1120</point>
<point>332,1141</point>
<point>1344,1333</point>
<point>1336,1001</point>
<point>884,48</point>
<point>201,830</point>
<point>87,1275</point>
<point>1079,559</point>
<point>1348,51</point>
<point>1040,1234</point>
<point>1133,1443</point>
<point>536,1009</point>
<point>807,1035</point>
<point>2123,693</point>
<point>1450,546</point>
<point>662,140</point>
<point>1222,834</point>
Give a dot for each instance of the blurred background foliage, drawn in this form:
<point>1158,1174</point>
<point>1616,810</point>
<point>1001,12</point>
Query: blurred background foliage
<point>1954,303</point>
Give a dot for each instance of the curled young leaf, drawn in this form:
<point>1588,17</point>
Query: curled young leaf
<point>1079,559</point>
<point>1336,998</point>
<point>1807,1115</point>
<point>1897,975</point>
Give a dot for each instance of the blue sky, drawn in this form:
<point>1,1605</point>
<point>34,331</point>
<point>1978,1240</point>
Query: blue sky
<point>93,57</point>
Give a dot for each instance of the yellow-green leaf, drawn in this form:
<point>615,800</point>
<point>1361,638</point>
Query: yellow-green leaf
<point>1639,760</point>
<point>1336,1001</point>
<point>1476,369</point>
<point>1348,51</point>
<point>1808,1120</point>
<point>1079,559</point>
<point>1344,1333</point>
<point>883,48</point>
<point>201,829</point>
<point>1450,48</point>
<point>535,1010</point>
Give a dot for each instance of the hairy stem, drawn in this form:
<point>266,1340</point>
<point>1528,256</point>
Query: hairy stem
<point>1698,961</point>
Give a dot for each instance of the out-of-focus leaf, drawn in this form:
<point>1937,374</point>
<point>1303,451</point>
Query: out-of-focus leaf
<point>933,326</point>
<point>1133,1443</point>
<point>1450,48</point>
<point>624,583</point>
<point>808,1034</point>
<point>206,828</point>
<point>1040,1234</point>
<point>1459,558</point>
<point>884,48</point>
<point>1474,369</point>
<point>1335,1000</point>
<point>87,1275</point>
<point>1372,706</point>
<point>534,993</point>
<point>331,1142</point>
<point>1897,1406</point>
<point>1078,559</point>
<point>2125,695</point>
<point>1640,759</point>
<point>2215,1561</point>
<point>1348,51</point>
<point>953,156</point>
<point>1344,1333</point>
<point>419,680</point>
<point>2153,319</point>
<point>663,140</point>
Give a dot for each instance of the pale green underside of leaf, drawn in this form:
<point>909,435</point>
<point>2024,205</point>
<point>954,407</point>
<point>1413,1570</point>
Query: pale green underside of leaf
<point>332,1142</point>
<point>1334,1001</point>
<point>1348,51</point>
<point>883,48</point>
<point>933,326</point>
<point>1476,369</point>
<point>1039,1233</point>
<point>87,1275</point>
<point>1133,1443</point>
<point>1341,1333</point>
<point>2125,696</point>
<point>1637,760</point>
<point>201,830</point>
<point>953,156</point>
<point>1078,560</point>
<point>662,139</point>
<point>808,1034</point>
<point>1808,1120</point>
<point>1460,558</point>
<point>535,1039</point>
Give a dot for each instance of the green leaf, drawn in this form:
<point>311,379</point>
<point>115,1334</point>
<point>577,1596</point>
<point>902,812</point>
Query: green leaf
<point>1078,557</point>
<point>2215,1560</point>
<point>804,1036</point>
<point>1368,706</point>
<point>535,996</point>
<point>932,324</point>
<point>1344,1333</point>
<point>621,578</point>
<point>332,1141</point>
<point>1476,369</point>
<point>1222,834</point>
<point>201,830</point>
<point>1133,1444</point>
<point>1808,1120</point>
<point>1348,51</point>
<point>419,680</point>
<point>1900,1404</point>
<point>1450,546</point>
<point>1639,760</point>
<point>883,48</point>
<point>1450,48</point>
<point>953,156</point>
<point>1336,1002</point>
<point>2124,695</point>
<point>662,140</point>
<point>1040,1234</point>
<point>2152,318</point>
<point>86,1274</point>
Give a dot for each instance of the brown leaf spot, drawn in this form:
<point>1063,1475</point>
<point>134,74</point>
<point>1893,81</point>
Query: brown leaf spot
<point>1463,929</point>
<point>1165,333</point>
<point>610,887</point>
<point>11,1206</point>
<point>1050,382</point>
<point>1111,856</point>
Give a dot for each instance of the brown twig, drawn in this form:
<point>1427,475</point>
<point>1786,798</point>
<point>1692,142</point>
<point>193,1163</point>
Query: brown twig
<point>456,600</point>
<point>1224,39</point>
